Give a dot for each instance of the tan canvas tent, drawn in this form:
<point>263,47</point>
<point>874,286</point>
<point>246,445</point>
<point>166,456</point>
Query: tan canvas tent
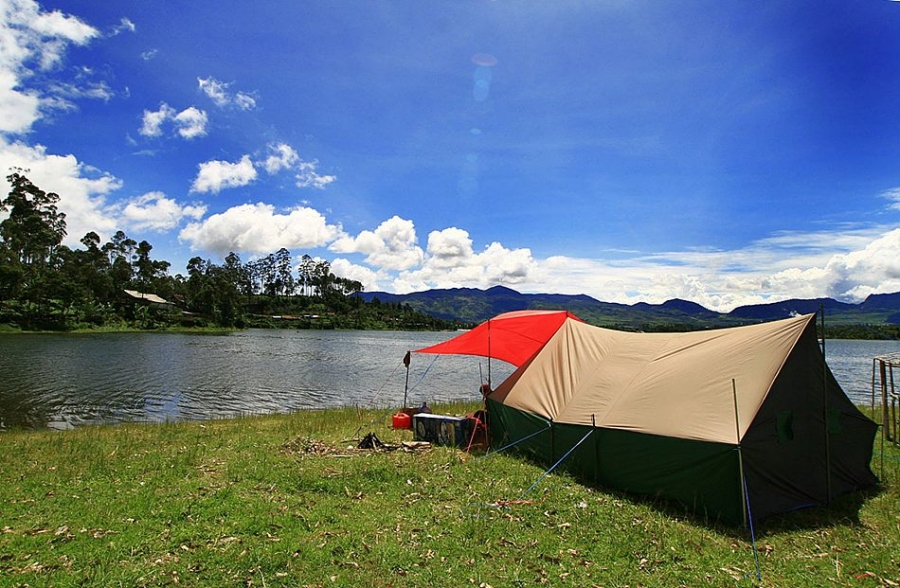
<point>729,422</point>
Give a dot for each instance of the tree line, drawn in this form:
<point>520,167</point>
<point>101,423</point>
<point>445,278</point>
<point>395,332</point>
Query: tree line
<point>47,285</point>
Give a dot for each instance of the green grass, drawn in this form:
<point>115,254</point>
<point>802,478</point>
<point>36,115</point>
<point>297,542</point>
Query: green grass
<point>281,501</point>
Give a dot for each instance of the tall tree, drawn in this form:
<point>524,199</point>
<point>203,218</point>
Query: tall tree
<point>31,233</point>
<point>119,250</point>
<point>284,275</point>
<point>149,273</point>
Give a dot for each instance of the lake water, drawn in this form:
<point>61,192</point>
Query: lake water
<point>63,380</point>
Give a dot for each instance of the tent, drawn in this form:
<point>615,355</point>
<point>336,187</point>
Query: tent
<point>736,422</point>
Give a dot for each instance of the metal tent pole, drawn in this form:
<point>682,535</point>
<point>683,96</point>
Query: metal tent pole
<point>737,430</point>
<point>825,411</point>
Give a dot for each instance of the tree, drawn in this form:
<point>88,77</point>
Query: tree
<point>31,234</point>
<point>284,277</point>
<point>239,275</point>
<point>305,270</point>
<point>148,272</point>
<point>119,251</point>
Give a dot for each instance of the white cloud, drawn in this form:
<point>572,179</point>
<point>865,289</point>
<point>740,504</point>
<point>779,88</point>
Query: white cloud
<point>19,108</point>
<point>215,175</point>
<point>155,212</point>
<point>894,196</point>
<point>191,123</point>
<point>258,228</point>
<point>125,26</point>
<point>218,92</point>
<point>796,265</point>
<point>215,90</point>
<point>31,38</point>
<point>150,54</point>
<point>307,177</point>
<point>390,246</point>
<point>153,120</point>
<point>874,269</point>
<point>449,248</point>
<point>452,263</point>
<point>344,268</point>
<point>82,191</point>
<point>281,156</point>
<point>54,24</point>
<point>244,101</point>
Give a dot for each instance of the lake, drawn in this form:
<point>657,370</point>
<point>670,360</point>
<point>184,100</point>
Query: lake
<point>62,381</point>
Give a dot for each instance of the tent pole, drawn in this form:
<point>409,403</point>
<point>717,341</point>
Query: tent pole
<point>825,412</point>
<point>490,383</point>
<point>737,429</point>
<point>748,516</point>
<point>406,359</point>
<point>596,449</point>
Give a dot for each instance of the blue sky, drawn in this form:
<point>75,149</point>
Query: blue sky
<point>725,153</point>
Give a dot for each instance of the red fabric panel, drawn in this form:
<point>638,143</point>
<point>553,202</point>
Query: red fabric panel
<point>514,337</point>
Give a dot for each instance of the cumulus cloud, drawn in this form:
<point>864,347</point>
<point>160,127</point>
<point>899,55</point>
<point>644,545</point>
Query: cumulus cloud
<point>215,175</point>
<point>155,212</point>
<point>31,38</point>
<point>875,269</point>
<point>190,123</point>
<point>85,195</point>
<point>451,262</point>
<point>281,156</point>
<point>215,90</point>
<point>153,120</point>
<point>847,265</point>
<point>348,270</point>
<point>393,245</point>
<point>218,92</point>
<point>449,248</point>
<point>284,157</point>
<point>20,108</point>
<point>258,228</point>
<point>82,191</point>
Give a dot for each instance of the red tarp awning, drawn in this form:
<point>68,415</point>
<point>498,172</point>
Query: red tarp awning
<point>514,337</point>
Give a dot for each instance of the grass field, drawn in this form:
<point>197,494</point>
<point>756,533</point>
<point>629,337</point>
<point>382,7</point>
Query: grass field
<point>287,500</point>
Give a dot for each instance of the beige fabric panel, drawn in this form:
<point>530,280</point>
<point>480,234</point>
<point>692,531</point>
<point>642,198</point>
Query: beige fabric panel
<point>671,384</point>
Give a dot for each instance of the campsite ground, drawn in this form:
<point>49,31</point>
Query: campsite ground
<point>287,500</point>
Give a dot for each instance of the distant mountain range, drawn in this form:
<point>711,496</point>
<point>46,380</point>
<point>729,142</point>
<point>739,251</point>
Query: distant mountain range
<point>470,305</point>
